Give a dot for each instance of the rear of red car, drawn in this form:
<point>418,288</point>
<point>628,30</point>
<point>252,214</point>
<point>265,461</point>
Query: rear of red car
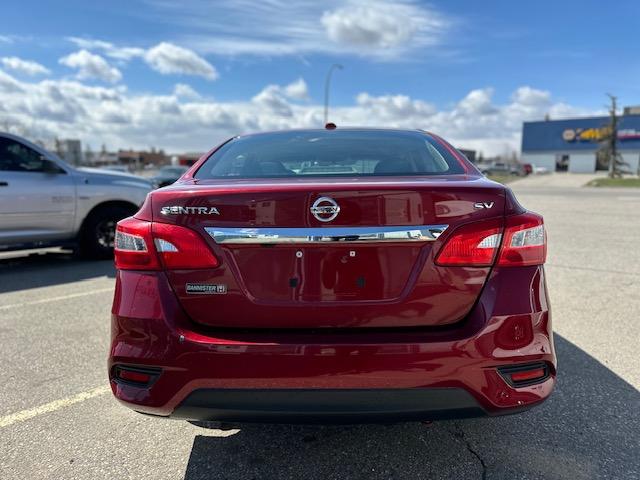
<point>346,275</point>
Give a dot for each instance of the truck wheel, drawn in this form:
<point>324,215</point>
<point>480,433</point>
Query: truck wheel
<point>98,232</point>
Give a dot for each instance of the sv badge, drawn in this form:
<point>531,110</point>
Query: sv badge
<point>481,205</point>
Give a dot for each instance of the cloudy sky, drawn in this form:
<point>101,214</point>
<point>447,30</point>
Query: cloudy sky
<point>185,75</point>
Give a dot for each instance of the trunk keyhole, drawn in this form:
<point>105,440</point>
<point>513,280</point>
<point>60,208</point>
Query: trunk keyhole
<point>293,282</point>
<point>360,282</point>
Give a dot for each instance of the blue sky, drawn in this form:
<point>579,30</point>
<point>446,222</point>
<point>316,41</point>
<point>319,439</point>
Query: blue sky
<point>469,70</point>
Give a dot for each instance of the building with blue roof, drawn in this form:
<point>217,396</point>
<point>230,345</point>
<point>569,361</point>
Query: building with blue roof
<point>571,144</point>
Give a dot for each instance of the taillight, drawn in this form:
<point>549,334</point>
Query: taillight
<point>181,248</point>
<point>521,242</point>
<point>142,245</point>
<point>525,241</point>
<point>472,245</point>
<point>133,249</point>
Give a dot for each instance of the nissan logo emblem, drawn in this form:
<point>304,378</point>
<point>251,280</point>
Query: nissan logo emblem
<point>325,209</point>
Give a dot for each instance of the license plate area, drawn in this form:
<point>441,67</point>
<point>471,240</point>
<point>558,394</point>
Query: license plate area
<point>326,273</point>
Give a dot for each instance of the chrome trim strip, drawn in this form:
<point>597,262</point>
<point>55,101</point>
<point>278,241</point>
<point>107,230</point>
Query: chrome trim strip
<point>231,236</point>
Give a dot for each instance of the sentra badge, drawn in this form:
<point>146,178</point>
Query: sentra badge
<point>179,210</point>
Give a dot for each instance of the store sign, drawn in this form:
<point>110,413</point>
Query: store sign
<point>629,134</point>
<point>597,134</point>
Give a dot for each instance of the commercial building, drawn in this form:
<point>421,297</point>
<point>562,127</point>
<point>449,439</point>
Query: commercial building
<point>572,144</point>
<point>186,159</point>
<point>470,154</point>
<point>139,159</point>
<point>70,150</point>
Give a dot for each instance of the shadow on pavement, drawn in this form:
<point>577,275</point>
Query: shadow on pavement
<point>589,428</point>
<point>43,270</point>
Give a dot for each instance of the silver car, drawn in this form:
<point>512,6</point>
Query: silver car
<point>45,202</point>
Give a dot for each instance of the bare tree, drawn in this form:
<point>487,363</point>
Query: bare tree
<point>609,144</point>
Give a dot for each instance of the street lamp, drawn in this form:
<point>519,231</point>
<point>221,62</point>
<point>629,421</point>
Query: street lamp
<point>326,90</point>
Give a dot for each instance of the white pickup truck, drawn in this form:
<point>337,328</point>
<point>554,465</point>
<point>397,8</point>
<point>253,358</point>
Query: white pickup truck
<point>44,202</point>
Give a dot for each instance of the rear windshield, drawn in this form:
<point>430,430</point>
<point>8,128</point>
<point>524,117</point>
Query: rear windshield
<point>330,153</point>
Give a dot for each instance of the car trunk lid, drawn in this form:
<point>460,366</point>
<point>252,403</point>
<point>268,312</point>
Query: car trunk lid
<point>286,264</point>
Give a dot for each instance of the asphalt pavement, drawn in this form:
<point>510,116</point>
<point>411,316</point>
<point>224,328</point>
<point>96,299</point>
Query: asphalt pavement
<point>58,419</point>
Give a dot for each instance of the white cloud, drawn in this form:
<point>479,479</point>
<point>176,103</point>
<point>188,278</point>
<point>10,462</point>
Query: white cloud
<point>5,39</point>
<point>185,91</point>
<point>28,67</point>
<point>108,48</point>
<point>297,90</point>
<point>274,98</point>
<point>164,57</point>
<point>271,99</point>
<point>90,65</point>
<point>168,58</point>
<point>391,107</point>
<point>8,84</point>
<point>380,24</point>
<point>177,122</point>
<point>54,104</point>
<point>530,96</point>
<point>478,102</point>
<point>384,29</point>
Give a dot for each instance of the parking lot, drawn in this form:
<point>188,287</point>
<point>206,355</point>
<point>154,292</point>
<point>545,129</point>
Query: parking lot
<point>59,420</point>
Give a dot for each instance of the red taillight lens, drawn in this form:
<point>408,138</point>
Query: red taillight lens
<point>525,241</point>
<point>134,246</point>
<point>181,248</point>
<point>472,245</point>
<point>142,245</point>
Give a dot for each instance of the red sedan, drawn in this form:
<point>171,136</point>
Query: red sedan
<point>339,275</point>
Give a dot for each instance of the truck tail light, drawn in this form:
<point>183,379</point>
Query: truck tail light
<point>142,245</point>
<point>525,241</point>
<point>472,245</point>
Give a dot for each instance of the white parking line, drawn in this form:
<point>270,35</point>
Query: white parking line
<point>52,406</point>
<point>55,299</point>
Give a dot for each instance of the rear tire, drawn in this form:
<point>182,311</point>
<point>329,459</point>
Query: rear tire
<point>98,231</point>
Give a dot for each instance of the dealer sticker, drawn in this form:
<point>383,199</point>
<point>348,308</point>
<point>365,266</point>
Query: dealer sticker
<point>206,288</point>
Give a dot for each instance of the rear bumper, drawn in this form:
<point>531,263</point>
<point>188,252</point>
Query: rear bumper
<point>328,405</point>
<point>344,376</point>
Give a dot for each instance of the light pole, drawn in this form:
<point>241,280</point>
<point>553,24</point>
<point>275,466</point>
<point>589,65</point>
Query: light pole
<point>327,83</point>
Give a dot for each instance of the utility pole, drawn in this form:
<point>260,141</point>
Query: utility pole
<point>327,84</point>
<point>610,144</point>
<point>613,136</point>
